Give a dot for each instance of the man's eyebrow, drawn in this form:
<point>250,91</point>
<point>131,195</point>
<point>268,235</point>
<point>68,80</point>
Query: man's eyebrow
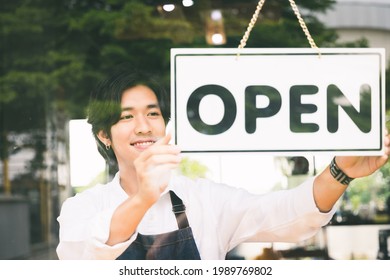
<point>150,106</point>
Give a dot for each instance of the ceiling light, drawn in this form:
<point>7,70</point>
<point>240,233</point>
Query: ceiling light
<point>216,15</point>
<point>168,7</point>
<point>217,39</point>
<point>187,3</point>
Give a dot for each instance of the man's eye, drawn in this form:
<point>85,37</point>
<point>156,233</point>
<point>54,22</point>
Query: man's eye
<point>154,114</point>
<point>126,117</point>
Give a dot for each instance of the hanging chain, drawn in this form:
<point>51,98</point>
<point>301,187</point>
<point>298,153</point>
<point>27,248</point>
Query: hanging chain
<point>251,24</point>
<point>303,26</point>
<point>298,15</point>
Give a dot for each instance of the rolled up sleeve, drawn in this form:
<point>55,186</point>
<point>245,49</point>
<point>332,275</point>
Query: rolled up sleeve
<point>279,216</point>
<point>84,230</point>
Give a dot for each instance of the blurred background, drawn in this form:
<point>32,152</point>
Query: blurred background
<point>52,53</point>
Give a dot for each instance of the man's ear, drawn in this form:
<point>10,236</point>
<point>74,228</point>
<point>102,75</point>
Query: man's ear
<point>103,137</point>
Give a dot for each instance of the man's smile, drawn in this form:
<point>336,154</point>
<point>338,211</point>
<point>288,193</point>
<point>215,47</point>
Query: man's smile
<point>143,144</point>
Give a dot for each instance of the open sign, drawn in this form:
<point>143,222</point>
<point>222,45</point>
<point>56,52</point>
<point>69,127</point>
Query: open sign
<point>282,101</point>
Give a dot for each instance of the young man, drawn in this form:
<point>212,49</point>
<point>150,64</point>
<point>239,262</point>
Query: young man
<point>147,213</point>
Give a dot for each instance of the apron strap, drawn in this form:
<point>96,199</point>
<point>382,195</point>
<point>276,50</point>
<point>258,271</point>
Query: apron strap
<point>179,209</point>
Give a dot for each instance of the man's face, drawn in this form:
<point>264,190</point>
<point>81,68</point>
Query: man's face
<point>140,126</point>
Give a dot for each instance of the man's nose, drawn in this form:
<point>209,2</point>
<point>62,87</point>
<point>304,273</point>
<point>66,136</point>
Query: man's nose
<point>142,125</point>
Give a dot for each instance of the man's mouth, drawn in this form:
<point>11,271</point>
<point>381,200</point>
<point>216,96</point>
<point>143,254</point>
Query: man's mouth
<point>143,144</point>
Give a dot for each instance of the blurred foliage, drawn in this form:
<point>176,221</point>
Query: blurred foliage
<point>387,83</point>
<point>61,48</point>
<point>192,168</point>
<point>364,190</point>
<point>100,178</point>
<point>366,201</point>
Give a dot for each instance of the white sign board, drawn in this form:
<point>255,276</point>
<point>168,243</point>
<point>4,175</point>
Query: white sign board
<point>279,101</point>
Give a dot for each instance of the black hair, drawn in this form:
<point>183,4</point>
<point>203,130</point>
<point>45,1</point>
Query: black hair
<point>104,108</point>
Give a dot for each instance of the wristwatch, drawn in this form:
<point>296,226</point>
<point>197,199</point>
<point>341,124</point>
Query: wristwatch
<point>338,174</point>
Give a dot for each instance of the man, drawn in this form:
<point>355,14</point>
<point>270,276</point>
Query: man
<point>131,217</point>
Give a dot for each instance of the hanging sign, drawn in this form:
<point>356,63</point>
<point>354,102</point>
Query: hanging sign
<point>281,101</point>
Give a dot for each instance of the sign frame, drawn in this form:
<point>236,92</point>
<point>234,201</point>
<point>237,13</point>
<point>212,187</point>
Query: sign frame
<point>178,56</point>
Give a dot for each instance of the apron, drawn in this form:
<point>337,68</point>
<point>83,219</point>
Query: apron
<point>174,245</point>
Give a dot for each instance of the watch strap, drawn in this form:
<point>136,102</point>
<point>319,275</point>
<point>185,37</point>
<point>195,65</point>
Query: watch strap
<point>338,174</point>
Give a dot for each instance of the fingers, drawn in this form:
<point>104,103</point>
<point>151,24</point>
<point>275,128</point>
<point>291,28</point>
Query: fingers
<point>387,144</point>
<point>387,140</point>
<point>161,153</point>
<point>162,146</point>
<point>164,140</point>
<point>155,165</point>
<point>172,160</point>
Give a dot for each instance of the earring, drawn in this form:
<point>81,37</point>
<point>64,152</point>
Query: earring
<point>108,146</point>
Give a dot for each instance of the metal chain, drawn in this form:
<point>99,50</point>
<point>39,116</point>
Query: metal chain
<point>251,24</point>
<point>256,15</point>
<point>303,26</point>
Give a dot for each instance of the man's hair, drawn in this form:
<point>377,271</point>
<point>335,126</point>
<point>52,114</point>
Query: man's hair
<point>104,109</point>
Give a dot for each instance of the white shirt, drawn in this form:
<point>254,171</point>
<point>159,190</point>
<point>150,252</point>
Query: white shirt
<point>221,217</point>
